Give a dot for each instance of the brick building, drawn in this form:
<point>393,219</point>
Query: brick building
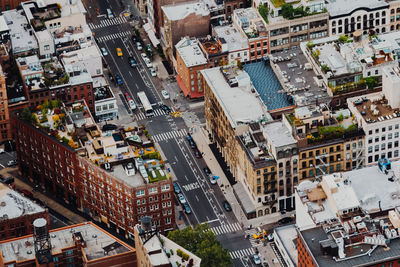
<point>9,4</point>
<point>103,176</point>
<point>5,127</point>
<point>17,214</point>
<point>83,244</point>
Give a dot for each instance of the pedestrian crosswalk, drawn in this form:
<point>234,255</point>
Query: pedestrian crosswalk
<point>157,112</point>
<point>169,135</point>
<point>107,23</point>
<point>191,186</point>
<point>225,228</point>
<point>241,253</point>
<point>113,36</point>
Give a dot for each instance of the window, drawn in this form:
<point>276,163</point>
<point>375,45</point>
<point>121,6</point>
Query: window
<point>165,187</point>
<point>69,252</point>
<point>390,136</point>
<point>153,190</point>
<point>140,193</point>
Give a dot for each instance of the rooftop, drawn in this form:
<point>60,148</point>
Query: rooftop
<point>232,37</point>
<point>182,10</point>
<point>250,21</point>
<point>103,92</point>
<point>3,24</point>
<point>343,7</point>
<point>279,134</point>
<point>157,247</point>
<point>21,39</point>
<point>267,85</point>
<point>236,95</point>
<point>14,204</point>
<point>99,243</point>
<point>288,238</point>
<point>190,52</point>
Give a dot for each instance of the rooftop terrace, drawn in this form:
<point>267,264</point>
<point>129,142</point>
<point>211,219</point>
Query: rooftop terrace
<point>99,243</point>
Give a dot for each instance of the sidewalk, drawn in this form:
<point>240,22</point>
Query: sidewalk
<point>21,184</point>
<point>200,136</point>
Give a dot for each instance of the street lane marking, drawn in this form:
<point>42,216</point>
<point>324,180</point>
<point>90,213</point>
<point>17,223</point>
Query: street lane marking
<point>225,228</point>
<point>197,198</point>
<point>241,253</point>
<point>192,186</point>
<point>212,221</point>
<point>2,165</point>
<point>186,178</point>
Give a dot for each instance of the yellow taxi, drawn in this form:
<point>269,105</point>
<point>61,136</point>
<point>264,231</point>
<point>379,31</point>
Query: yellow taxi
<point>119,52</point>
<point>260,234</point>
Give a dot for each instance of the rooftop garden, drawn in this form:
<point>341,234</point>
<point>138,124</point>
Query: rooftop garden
<point>278,3</point>
<point>293,120</point>
<point>331,132</point>
<point>290,12</point>
<point>54,74</point>
<point>263,10</point>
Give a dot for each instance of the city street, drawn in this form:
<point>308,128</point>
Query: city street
<point>204,198</point>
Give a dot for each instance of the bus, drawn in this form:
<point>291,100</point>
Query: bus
<point>148,109</point>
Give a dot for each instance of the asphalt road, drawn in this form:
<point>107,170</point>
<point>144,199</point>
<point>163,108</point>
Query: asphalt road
<point>204,198</point>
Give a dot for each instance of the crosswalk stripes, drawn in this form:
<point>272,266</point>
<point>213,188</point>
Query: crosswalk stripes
<point>107,22</point>
<point>169,135</point>
<point>113,36</point>
<point>226,228</point>
<point>254,242</point>
<point>157,112</point>
<point>241,253</point>
<point>191,186</point>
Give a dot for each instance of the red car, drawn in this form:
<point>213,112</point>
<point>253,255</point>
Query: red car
<point>128,96</point>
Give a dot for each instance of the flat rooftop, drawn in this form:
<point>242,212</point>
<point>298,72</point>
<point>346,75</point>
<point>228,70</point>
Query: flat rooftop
<point>239,103</point>
<point>182,10</point>
<point>343,7</point>
<point>298,82</point>
<point>97,242</point>
<point>232,37</point>
<point>279,134</point>
<point>21,40</point>
<point>190,52</point>
<point>288,237</point>
<point>14,204</point>
<point>267,85</point>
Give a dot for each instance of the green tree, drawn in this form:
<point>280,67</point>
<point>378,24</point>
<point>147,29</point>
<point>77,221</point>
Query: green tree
<point>263,10</point>
<point>203,243</point>
<point>343,38</point>
<point>287,11</point>
<point>325,68</point>
<point>371,82</point>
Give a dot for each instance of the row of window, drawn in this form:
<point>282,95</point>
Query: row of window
<point>383,137</point>
<point>383,146</point>
<point>353,20</point>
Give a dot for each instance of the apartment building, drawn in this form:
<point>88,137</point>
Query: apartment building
<point>379,116</point>
<point>262,155</point>
<point>116,177</point>
<point>9,4</point>
<point>5,124</point>
<point>394,19</point>
<point>17,213</point>
<point>83,244</point>
<point>180,20</point>
<point>253,28</point>
<point>346,17</point>
<point>189,61</point>
<point>155,250</point>
<point>344,221</point>
<point>328,142</point>
<point>232,40</point>
<point>105,103</point>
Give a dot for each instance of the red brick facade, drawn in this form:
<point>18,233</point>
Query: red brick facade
<point>79,182</point>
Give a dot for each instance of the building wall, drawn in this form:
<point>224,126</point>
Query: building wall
<point>190,76</point>
<point>362,20</point>
<point>231,5</point>
<point>156,17</point>
<point>20,226</point>
<point>5,125</point>
<point>80,183</point>
<point>9,4</point>
<point>62,23</point>
<point>287,33</point>
<point>304,259</point>
<point>394,15</point>
<point>67,94</point>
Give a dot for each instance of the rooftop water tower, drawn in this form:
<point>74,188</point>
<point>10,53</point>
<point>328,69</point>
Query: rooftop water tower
<point>41,239</point>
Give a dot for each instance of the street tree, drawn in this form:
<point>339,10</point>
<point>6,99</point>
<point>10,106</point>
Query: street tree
<point>202,242</point>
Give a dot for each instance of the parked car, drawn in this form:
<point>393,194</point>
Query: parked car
<point>285,220</point>
<point>149,47</point>
<point>197,153</point>
<point>109,127</point>
<point>144,56</point>
<point>132,62</point>
<point>189,136</point>
<point>187,208</point>
<point>118,79</point>
<point>139,46</point>
<point>119,52</point>
<point>206,170</point>
<point>12,162</point>
<point>134,39</point>
<point>104,51</point>
<point>270,237</point>
<point>9,180</point>
<point>132,104</point>
<point>181,198</point>
<point>2,151</point>
<point>27,193</point>
<point>148,62</point>
<point>153,72</point>
<point>165,108</point>
<point>192,144</point>
<point>256,259</point>
<point>260,234</point>
<point>212,179</point>
<point>227,206</point>
<point>165,94</point>
<point>128,96</point>
<point>177,189</point>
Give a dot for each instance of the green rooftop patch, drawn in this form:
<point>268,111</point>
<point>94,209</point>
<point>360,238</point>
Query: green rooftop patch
<point>278,3</point>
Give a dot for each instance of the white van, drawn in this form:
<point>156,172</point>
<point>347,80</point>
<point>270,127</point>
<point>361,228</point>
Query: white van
<point>110,14</point>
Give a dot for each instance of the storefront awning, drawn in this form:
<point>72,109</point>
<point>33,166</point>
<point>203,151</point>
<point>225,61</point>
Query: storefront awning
<point>152,36</point>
